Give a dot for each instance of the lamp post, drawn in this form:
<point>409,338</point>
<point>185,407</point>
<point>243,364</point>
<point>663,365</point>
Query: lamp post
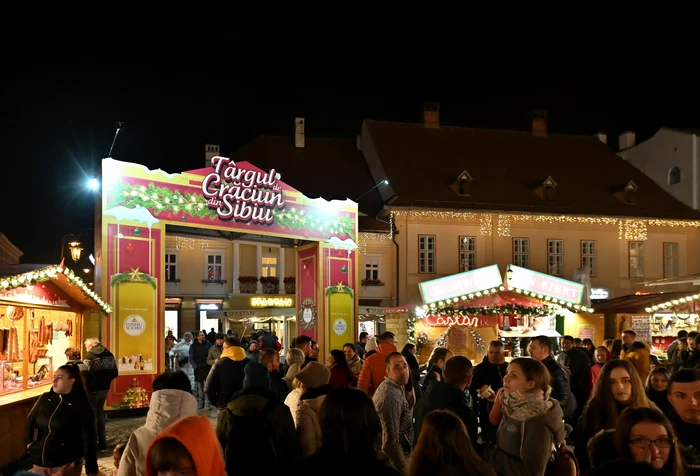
<point>74,245</point>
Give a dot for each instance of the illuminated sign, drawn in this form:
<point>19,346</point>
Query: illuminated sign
<point>600,293</point>
<point>209,307</point>
<point>534,282</point>
<point>242,195</point>
<point>460,321</point>
<point>461,284</point>
<point>272,302</point>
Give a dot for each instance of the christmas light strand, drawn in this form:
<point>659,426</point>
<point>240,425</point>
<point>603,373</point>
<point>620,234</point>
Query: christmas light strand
<point>673,303</point>
<point>628,228</point>
<point>52,272</point>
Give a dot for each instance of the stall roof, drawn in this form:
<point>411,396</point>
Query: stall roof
<point>22,275</point>
<point>634,303</point>
<point>693,279</point>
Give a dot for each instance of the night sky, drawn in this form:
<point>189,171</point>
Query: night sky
<point>192,84</point>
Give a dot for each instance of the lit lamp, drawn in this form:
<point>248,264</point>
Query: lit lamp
<point>509,273</point>
<point>75,250</point>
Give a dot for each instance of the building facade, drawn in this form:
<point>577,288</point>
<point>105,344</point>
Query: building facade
<point>461,199</point>
<point>671,158</point>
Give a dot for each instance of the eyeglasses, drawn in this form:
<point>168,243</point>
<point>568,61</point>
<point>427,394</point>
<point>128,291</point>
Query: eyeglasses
<point>662,442</point>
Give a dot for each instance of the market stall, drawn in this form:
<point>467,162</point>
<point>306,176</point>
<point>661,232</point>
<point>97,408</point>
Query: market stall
<point>465,311</point>
<point>655,318</point>
<point>43,311</point>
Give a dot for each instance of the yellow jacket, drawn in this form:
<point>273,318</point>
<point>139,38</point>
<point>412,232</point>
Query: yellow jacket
<point>640,358</point>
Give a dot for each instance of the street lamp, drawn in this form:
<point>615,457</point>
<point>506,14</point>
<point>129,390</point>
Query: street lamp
<point>509,273</point>
<point>75,250</point>
<point>93,184</point>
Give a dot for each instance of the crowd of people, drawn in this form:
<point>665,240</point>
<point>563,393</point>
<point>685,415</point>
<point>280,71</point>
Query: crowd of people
<point>372,408</point>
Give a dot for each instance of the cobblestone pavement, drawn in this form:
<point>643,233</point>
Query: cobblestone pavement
<point>118,431</point>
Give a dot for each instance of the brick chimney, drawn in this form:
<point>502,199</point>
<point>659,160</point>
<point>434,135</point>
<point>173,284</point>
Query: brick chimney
<point>210,151</point>
<point>627,140</point>
<point>539,123</point>
<point>431,115</point>
<point>299,141</point>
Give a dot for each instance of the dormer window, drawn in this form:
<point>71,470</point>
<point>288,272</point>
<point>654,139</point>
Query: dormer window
<point>547,189</point>
<point>628,194</point>
<point>462,184</point>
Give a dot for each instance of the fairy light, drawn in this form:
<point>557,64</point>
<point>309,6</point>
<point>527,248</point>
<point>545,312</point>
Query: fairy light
<point>628,228</point>
<point>51,272</point>
<point>364,238</point>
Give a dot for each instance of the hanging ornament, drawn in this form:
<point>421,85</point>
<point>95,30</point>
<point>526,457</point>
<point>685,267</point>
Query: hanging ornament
<point>137,232</point>
<point>129,248</point>
<point>344,270</point>
<point>184,218</point>
<point>170,216</point>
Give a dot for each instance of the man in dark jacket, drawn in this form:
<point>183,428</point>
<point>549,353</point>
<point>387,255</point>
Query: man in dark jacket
<point>684,395</point>
<point>541,349</point>
<point>102,365</point>
<point>437,362</point>
<point>579,364</point>
<point>489,373</point>
<point>271,359</point>
<point>227,374</point>
<point>449,395</point>
<point>199,351</point>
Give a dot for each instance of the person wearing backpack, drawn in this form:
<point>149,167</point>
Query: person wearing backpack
<point>256,423</point>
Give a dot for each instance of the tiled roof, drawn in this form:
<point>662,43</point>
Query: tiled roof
<point>506,167</point>
<point>327,168</point>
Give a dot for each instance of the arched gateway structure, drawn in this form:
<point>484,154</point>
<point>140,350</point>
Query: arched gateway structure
<point>137,205</point>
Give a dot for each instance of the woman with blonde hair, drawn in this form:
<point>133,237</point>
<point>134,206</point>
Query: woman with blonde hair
<point>444,448</point>
<point>643,435</point>
<point>293,361</point>
<point>618,387</point>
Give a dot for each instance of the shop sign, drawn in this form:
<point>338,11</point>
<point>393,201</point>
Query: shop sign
<point>231,314</point>
<point>134,325</point>
<point>272,302</point>
<point>557,288</point>
<point>242,195</point>
<point>459,321</point>
<point>461,284</point>
<point>599,293</point>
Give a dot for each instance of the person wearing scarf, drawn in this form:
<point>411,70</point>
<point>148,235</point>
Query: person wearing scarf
<point>529,421</point>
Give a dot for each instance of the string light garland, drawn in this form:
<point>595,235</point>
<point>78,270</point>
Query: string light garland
<point>480,344</point>
<point>163,199</point>
<point>558,302</point>
<point>673,302</point>
<point>52,272</point>
<point>363,238</point>
<point>411,327</point>
<point>628,228</point>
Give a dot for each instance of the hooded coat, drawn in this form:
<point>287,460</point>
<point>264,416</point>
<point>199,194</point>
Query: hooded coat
<point>166,407</point>
<point>204,449</point>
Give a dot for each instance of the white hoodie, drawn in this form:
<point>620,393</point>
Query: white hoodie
<point>166,407</point>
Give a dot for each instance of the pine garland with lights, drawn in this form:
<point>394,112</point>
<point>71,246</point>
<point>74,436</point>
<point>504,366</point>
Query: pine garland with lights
<point>129,278</point>
<point>508,309</point>
<point>162,199</point>
<point>411,327</point>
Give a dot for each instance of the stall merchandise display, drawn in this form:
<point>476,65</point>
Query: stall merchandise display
<point>30,344</point>
<point>135,396</point>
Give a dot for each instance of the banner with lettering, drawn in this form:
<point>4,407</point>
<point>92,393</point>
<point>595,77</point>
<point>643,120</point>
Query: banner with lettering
<point>136,322</point>
<point>229,195</point>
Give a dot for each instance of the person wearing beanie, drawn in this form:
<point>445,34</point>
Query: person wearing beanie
<point>256,402</point>
<point>314,378</point>
<point>370,347</point>
<point>188,446</point>
<point>216,349</point>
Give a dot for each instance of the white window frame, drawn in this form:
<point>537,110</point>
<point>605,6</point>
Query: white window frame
<point>521,252</point>
<point>214,252</point>
<point>372,264</point>
<point>636,259</point>
<point>425,254</point>
<point>555,257</point>
<point>671,252</point>
<point>467,253</point>
<point>176,264</point>
<point>589,255</point>
<point>269,269</point>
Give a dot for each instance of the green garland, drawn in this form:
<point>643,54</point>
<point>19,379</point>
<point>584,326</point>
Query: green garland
<point>129,278</point>
<point>162,199</point>
<point>508,309</point>
<point>339,288</point>
<point>411,327</point>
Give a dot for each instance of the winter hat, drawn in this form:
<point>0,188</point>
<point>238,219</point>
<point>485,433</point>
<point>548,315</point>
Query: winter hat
<point>371,344</point>
<point>314,375</point>
<point>256,375</point>
<point>220,335</point>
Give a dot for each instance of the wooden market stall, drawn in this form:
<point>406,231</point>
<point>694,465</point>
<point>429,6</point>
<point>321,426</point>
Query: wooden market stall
<point>655,318</point>
<point>466,311</point>
<point>43,311</point>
